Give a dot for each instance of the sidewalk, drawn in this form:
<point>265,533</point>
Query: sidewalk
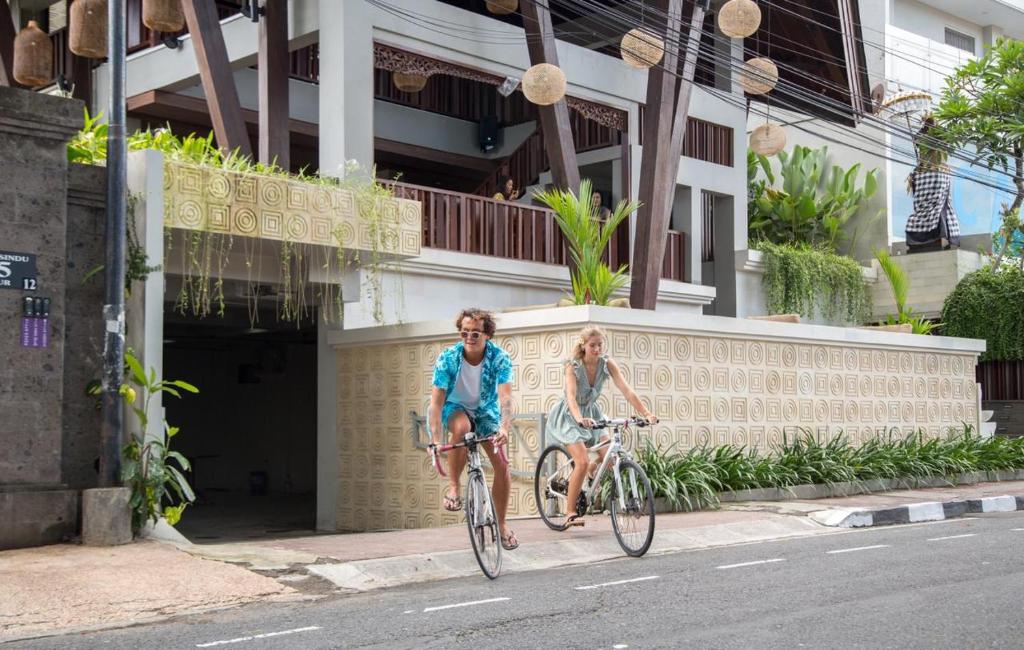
<point>70,587</point>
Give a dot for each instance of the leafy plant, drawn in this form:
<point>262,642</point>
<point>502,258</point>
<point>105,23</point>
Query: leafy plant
<point>805,280</point>
<point>588,237</point>
<point>813,204</point>
<point>899,284</point>
<point>692,479</point>
<point>989,304</point>
<point>150,467</point>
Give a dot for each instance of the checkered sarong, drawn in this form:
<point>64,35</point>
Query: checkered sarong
<point>932,191</point>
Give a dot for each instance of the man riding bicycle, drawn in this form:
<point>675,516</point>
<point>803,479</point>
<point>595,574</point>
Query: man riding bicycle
<point>472,391</point>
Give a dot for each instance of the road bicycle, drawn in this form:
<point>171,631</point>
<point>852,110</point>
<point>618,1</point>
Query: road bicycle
<point>627,492</point>
<point>481,516</point>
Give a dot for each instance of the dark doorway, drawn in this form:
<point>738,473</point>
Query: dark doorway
<point>250,433</point>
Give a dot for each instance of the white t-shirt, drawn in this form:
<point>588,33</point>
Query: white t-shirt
<point>467,386</point>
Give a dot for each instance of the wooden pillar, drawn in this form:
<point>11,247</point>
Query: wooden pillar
<point>273,85</point>
<point>7,33</point>
<point>664,128</point>
<point>216,75</point>
<point>554,119</point>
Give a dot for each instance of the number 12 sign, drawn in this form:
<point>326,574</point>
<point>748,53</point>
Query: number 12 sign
<point>18,271</point>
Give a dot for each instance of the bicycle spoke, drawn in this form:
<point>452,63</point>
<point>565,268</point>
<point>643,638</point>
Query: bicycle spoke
<point>632,509</point>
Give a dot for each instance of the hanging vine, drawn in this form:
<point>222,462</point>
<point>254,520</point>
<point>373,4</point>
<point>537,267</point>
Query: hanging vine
<point>800,279</point>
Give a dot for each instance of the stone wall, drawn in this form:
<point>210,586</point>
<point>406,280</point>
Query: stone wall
<point>713,381</point>
<point>34,129</point>
<point>83,358</point>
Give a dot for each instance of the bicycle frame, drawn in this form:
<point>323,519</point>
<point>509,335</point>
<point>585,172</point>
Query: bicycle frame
<point>615,450</point>
<point>474,465</point>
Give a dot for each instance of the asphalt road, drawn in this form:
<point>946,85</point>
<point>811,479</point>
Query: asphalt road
<point>953,584</point>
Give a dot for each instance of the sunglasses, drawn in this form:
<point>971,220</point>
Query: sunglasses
<point>471,335</point>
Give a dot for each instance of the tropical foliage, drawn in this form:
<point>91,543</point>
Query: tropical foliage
<point>814,203</point>
<point>805,280</point>
<point>692,479</point>
<point>588,237</point>
<point>899,284</point>
<point>989,304</point>
<point>152,470</point>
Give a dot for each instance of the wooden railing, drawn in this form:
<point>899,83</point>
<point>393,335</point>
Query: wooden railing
<point>474,224</point>
<point>1001,380</point>
<point>703,140</point>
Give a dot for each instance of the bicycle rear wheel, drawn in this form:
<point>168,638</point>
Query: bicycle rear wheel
<point>551,486</point>
<point>633,509</point>
<point>482,520</point>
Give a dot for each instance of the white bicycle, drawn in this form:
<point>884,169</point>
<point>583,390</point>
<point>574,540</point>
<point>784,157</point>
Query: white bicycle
<point>629,495</point>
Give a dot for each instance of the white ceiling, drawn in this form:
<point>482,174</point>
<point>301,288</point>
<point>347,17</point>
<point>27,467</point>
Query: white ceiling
<point>1008,14</point>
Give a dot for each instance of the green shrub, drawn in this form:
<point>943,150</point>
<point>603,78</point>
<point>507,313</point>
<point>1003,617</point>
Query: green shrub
<point>989,304</point>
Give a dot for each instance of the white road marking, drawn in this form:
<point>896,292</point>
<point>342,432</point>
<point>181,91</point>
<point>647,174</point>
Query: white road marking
<point>858,548</point>
<point>617,582</point>
<point>939,539</point>
<point>741,564</point>
<point>408,611</point>
<point>467,604</point>
<point>1017,529</point>
<point>266,635</point>
<point>620,645</point>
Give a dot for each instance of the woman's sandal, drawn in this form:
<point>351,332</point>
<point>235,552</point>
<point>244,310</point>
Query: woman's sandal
<point>510,542</point>
<point>452,502</point>
<point>575,520</point>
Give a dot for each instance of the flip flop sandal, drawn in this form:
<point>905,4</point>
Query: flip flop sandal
<point>575,520</point>
<point>511,542</point>
<point>452,502</point>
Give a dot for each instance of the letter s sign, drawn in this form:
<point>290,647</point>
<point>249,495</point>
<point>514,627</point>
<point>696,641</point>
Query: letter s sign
<point>5,269</point>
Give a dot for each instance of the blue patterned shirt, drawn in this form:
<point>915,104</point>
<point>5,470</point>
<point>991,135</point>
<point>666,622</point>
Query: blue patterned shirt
<point>497,370</point>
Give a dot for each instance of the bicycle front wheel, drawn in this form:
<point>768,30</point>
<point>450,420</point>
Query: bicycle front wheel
<point>482,519</point>
<point>632,509</point>
<point>551,486</point>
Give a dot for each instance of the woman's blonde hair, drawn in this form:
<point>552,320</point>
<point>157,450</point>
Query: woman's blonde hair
<point>585,335</point>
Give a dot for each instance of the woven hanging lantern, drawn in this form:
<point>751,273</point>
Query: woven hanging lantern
<point>502,7</point>
<point>641,49</point>
<point>544,84</point>
<point>33,56</point>
<point>163,15</point>
<point>759,76</point>
<point>768,139</point>
<point>739,18</point>
<point>408,82</point>
<point>88,31</point>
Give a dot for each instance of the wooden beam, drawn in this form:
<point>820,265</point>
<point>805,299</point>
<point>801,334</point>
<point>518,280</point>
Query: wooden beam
<point>554,119</point>
<point>7,33</point>
<point>216,75</point>
<point>852,50</point>
<point>656,191</point>
<point>273,84</point>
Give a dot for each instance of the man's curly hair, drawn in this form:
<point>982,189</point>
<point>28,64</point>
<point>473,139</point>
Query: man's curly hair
<point>486,317</point>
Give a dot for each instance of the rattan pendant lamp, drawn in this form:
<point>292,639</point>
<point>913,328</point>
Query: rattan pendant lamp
<point>408,82</point>
<point>544,84</point>
<point>163,15</point>
<point>33,56</point>
<point>739,18</point>
<point>87,29</point>
<point>502,7</point>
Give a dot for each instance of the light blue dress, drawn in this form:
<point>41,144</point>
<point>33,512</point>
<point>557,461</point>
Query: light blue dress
<point>561,426</point>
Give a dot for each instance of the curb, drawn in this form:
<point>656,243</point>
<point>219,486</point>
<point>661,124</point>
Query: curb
<point>915,512</point>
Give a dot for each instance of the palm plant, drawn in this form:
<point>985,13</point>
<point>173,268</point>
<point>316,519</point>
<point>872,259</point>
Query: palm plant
<point>588,237</point>
<point>899,283</point>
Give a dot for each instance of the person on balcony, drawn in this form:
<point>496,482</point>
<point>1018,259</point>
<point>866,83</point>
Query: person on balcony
<point>933,225</point>
<point>600,210</point>
<point>507,191</point>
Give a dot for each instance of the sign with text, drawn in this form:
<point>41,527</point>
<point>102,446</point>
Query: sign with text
<point>18,271</point>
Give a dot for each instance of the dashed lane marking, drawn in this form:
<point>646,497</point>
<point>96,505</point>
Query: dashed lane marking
<point>616,582</point>
<point>265,635</point>
<point>743,564</point>
<point>466,604</point>
<point>939,539</point>
<point>857,548</point>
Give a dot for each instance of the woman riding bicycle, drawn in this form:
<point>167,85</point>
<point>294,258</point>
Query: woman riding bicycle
<point>571,419</point>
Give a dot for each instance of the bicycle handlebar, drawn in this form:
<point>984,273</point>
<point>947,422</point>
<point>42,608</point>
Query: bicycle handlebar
<point>437,450</point>
<point>619,422</point>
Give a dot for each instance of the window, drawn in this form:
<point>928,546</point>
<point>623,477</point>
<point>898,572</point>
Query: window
<point>960,40</point>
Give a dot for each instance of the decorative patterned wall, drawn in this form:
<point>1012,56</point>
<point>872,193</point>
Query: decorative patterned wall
<point>198,197</point>
<point>704,389</point>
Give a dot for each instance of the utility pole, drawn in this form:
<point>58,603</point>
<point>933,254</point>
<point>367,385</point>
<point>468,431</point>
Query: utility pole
<point>112,433</point>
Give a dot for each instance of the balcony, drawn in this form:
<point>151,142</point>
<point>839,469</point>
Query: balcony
<point>467,223</point>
